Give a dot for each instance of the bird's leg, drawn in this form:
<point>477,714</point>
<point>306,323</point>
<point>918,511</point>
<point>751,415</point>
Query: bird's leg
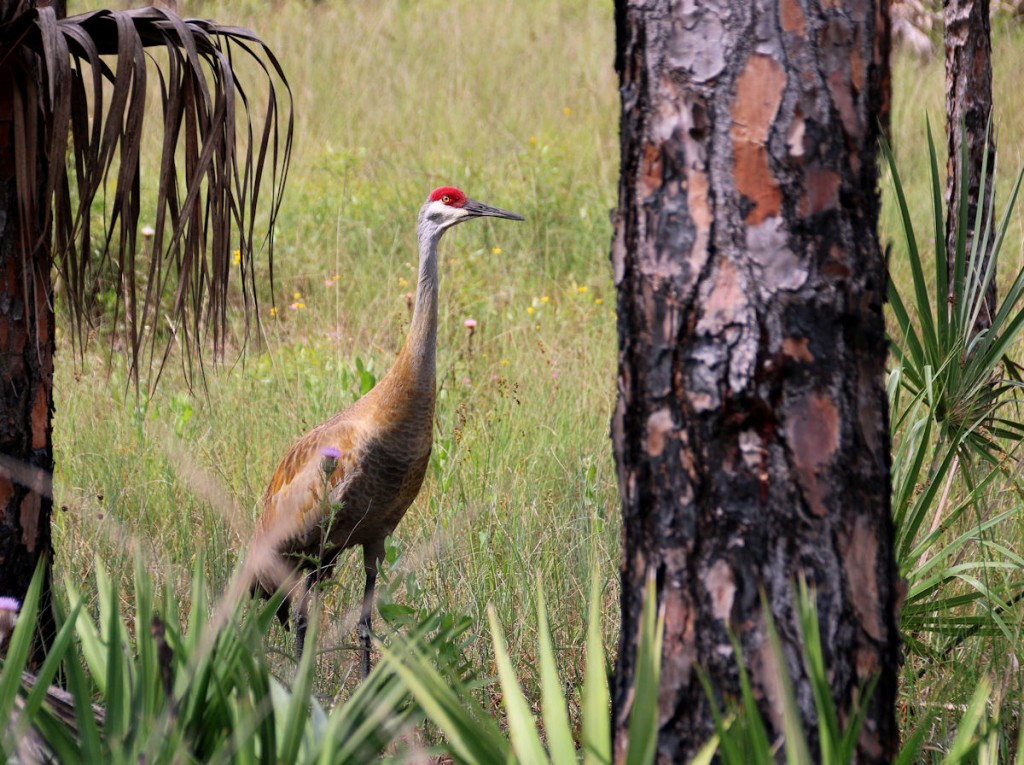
<point>300,617</point>
<point>372,553</point>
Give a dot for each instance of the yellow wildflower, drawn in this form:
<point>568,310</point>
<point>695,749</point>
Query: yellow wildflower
<point>533,140</point>
<point>598,301</point>
<point>402,282</point>
<point>238,257</point>
<point>504,362</point>
<point>567,111</point>
<point>297,296</point>
<point>529,309</point>
<point>543,298</point>
<point>273,311</point>
<point>495,251</point>
<point>581,289</point>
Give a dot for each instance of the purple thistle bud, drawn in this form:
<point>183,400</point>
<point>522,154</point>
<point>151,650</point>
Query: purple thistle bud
<point>331,455</point>
<point>9,604</point>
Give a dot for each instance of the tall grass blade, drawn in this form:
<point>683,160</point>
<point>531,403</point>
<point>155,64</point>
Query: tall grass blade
<point>965,744</point>
<point>596,703</point>
<point>795,744</point>
<point>939,233</point>
<point>979,277</point>
<point>1013,295</point>
<point>910,752</point>
<point>644,714</point>
<point>18,651</point>
<point>298,707</point>
<point>960,291</point>
<point>757,742</point>
<point>80,690</point>
<point>522,730</point>
<point>473,738</point>
<point>553,707</point>
<point>706,754</point>
<point>54,658</point>
<point>929,341</point>
<point>117,695</point>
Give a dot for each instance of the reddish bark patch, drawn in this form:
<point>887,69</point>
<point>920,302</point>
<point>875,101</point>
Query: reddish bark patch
<point>812,431</point>
<point>755,181</point>
<point>700,214</point>
<point>867,663</point>
<point>727,299</point>
<point>858,548</point>
<point>796,349</point>
<point>856,70</point>
<point>768,679</point>
<point>40,418</point>
<point>842,98</point>
<point>6,492</point>
<point>650,170</point>
<point>795,134</point>
<point>835,266</point>
<point>835,270</point>
<point>42,317</point>
<point>791,16</point>
<point>697,199</point>
<point>679,652</point>
<point>30,520</point>
<point>659,429</point>
<point>821,191</point>
<point>758,95</point>
<point>721,587</point>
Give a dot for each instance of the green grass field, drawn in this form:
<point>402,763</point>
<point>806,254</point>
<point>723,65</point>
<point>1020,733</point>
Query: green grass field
<point>521,482</point>
<point>516,103</point>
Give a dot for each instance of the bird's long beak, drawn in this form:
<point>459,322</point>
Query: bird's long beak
<point>479,210</point>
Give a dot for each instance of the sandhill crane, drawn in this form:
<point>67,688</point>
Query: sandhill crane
<point>350,480</point>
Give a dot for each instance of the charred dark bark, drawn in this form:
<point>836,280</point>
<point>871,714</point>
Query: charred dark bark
<point>750,432</point>
<point>968,43</point>
<point>27,342</point>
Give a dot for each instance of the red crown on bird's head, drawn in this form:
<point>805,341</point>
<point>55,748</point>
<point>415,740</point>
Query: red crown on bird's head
<point>448,195</point>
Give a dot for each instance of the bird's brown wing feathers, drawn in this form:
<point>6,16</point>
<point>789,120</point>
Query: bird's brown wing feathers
<point>293,505</point>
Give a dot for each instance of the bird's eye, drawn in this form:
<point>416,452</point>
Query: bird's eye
<point>446,199</point>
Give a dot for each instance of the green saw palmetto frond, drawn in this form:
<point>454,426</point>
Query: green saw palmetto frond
<point>954,395</point>
<point>964,375</point>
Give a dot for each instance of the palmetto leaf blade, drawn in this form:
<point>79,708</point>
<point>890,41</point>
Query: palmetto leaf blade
<point>216,155</point>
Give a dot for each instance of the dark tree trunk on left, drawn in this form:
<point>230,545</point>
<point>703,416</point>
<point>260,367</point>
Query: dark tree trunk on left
<point>968,43</point>
<point>26,362</point>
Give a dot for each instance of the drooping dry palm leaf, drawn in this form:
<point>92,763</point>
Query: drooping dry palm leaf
<point>215,160</point>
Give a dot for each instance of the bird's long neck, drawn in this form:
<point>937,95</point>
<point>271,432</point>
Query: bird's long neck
<point>417,359</point>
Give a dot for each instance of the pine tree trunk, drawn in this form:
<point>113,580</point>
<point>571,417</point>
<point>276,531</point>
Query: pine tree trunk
<point>27,336</point>
<point>968,42</point>
<point>751,433</point>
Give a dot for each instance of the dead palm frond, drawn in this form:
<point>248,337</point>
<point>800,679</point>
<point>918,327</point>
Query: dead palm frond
<point>85,113</point>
